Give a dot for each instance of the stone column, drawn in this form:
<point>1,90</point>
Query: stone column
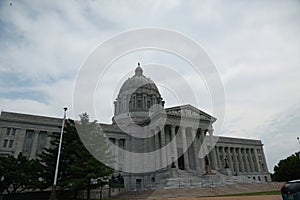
<point>223,156</point>
<point>218,157</point>
<point>20,141</point>
<point>235,160</point>
<point>264,162</point>
<point>163,147</point>
<point>256,160</point>
<point>127,154</point>
<point>157,149</point>
<point>184,148</point>
<point>152,156</point>
<point>251,161</point>
<point>34,145</point>
<point>242,169</point>
<point>117,153</point>
<point>200,142</point>
<point>126,104</point>
<point>149,150</point>
<point>246,161</point>
<point>174,146</point>
<point>196,149</point>
<point>48,140</point>
<point>213,151</point>
<point>229,159</point>
<point>168,146</point>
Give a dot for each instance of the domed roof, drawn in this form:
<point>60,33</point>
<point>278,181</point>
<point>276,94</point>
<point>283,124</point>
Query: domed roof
<point>137,98</point>
<point>138,82</point>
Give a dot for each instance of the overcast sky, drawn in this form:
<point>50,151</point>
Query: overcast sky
<point>255,46</point>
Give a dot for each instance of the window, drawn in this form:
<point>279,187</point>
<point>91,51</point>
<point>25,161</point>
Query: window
<point>53,146</point>
<point>139,103</point>
<point>112,140</point>
<point>5,143</point>
<point>30,134</point>
<point>8,131</point>
<point>14,131</point>
<point>10,145</point>
<point>148,104</point>
<point>42,141</point>
<point>28,141</point>
<point>122,143</point>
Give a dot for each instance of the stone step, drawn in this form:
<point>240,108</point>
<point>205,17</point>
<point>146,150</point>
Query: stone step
<point>205,181</point>
<point>202,191</point>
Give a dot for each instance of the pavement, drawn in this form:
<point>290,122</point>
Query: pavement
<point>260,197</point>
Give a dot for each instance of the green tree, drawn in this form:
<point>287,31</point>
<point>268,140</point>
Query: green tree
<point>77,166</point>
<point>287,169</point>
<point>19,174</point>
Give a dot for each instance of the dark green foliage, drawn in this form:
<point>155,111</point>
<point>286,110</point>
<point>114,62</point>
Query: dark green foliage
<point>77,166</point>
<point>19,174</point>
<point>287,169</point>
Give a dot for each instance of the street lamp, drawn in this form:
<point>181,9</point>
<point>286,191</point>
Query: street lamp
<point>226,161</point>
<point>299,144</point>
<point>53,195</point>
<point>173,163</point>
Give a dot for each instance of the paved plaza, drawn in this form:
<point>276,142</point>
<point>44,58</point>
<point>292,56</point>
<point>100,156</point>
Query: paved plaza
<point>260,197</point>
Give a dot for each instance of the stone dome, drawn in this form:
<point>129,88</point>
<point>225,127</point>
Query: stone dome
<point>138,82</point>
<point>137,96</point>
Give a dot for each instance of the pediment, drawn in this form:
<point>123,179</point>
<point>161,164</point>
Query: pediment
<point>189,111</point>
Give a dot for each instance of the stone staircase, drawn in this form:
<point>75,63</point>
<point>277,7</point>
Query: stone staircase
<point>190,179</point>
<point>211,190</point>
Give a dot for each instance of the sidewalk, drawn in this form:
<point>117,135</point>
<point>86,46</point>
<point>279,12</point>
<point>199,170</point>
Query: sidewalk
<point>261,197</point>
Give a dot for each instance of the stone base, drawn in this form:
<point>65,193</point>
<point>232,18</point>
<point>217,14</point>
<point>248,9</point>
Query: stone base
<point>226,171</point>
<point>174,172</point>
<point>208,170</point>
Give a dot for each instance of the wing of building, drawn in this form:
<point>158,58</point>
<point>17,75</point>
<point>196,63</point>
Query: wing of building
<point>153,146</point>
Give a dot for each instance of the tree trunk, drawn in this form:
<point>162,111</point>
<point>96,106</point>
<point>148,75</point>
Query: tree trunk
<point>75,193</point>
<point>89,190</point>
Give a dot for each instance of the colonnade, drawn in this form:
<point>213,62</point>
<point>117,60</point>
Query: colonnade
<point>240,159</point>
<point>179,146</point>
<point>184,149</point>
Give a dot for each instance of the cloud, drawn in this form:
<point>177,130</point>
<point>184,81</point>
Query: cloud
<point>279,135</point>
<point>255,46</point>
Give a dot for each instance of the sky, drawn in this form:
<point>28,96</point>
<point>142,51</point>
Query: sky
<point>254,45</point>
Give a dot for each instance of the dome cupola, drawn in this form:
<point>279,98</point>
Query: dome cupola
<point>137,97</point>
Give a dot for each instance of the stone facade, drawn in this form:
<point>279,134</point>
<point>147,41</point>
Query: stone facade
<point>166,147</point>
<point>28,134</point>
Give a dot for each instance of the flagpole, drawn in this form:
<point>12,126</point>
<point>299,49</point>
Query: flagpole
<point>59,148</point>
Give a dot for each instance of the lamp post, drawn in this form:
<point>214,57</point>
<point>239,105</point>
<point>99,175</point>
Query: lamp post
<point>173,162</point>
<point>226,162</point>
<point>299,144</point>
<point>53,195</point>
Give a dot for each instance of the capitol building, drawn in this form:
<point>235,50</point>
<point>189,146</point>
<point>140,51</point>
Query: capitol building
<point>153,146</point>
